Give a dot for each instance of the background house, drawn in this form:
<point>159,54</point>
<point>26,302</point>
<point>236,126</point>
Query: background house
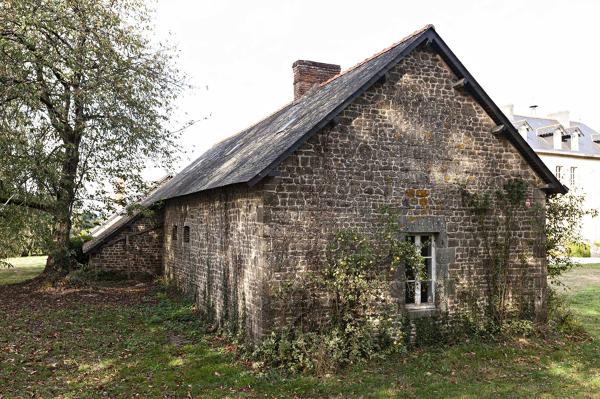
<point>571,150</point>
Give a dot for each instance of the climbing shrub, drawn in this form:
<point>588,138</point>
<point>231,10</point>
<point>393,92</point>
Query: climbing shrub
<point>495,215</point>
<point>348,301</point>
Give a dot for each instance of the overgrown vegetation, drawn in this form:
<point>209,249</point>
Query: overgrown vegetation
<point>496,216</point>
<point>116,340</point>
<point>343,313</point>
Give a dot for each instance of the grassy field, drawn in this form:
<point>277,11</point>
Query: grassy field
<point>134,340</point>
<point>24,269</point>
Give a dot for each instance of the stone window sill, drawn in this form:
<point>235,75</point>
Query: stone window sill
<point>416,311</point>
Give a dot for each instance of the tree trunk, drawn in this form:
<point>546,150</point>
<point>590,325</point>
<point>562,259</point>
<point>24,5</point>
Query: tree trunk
<point>59,261</point>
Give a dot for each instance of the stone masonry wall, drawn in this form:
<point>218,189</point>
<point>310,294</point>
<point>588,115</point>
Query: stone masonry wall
<point>408,143</point>
<point>221,265</point>
<point>136,249</point>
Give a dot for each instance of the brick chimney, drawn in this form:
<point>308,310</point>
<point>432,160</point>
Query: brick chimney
<point>310,73</point>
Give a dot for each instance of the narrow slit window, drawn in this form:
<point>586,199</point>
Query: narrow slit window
<point>174,233</point>
<point>420,284</point>
<point>186,233</point>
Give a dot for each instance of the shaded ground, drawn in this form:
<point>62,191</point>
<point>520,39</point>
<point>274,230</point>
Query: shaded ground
<point>24,269</point>
<point>125,340</point>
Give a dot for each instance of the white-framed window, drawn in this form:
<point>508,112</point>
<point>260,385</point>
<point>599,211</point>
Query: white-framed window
<point>573,176</point>
<point>420,284</point>
<point>559,172</point>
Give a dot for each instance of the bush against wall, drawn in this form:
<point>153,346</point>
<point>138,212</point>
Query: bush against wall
<point>343,312</point>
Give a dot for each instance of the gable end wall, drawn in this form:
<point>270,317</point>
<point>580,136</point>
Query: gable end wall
<point>134,249</point>
<point>407,143</point>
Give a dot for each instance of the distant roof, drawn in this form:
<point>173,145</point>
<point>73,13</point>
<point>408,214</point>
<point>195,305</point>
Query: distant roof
<point>540,137</point>
<point>252,154</point>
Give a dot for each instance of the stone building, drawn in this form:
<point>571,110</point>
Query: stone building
<point>572,151</point>
<point>405,128</point>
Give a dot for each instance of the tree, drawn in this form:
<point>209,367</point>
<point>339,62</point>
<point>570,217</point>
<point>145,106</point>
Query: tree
<point>564,214</point>
<point>85,98</point>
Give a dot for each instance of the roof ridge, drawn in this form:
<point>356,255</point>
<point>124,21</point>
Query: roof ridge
<point>294,101</point>
<point>385,50</point>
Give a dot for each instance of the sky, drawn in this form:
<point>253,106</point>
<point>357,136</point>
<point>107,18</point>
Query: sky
<point>238,55</point>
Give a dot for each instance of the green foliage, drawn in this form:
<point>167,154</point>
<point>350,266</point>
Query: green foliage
<point>579,250</point>
<point>362,320</point>
<point>498,229</point>
<point>86,103</point>
<point>563,230</point>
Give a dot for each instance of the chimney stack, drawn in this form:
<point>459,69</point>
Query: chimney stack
<point>562,117</point>
<point>310,73</point>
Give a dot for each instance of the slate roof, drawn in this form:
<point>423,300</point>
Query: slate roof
<point>540,137</point>
<point>250,155</point>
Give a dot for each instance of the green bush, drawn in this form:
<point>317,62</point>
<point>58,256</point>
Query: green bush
<point>362,322</point>
<point>517,328</point>
<point>76,247</point>
<point>580,250</point>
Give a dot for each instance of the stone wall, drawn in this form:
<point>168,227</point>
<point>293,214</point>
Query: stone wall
<point>221,265</point>
<point>135,249</point>
<point>409,143</point>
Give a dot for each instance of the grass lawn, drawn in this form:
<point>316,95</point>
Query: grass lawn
<point>24,268</point>
<point>132,340</point>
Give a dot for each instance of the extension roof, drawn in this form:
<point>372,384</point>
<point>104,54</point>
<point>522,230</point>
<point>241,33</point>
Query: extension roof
<point>252,154</point>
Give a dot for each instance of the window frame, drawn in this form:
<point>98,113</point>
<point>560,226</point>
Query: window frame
<point>572,176</point>
<point>558,172</point>
<point>174,233</point>
<point>417,295</point>
<point>186,234</point>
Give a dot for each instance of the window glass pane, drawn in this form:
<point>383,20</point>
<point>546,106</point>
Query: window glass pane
<point>410,272</point>
<point>427,270</point>
<point>425,246</point>
<point>410,239</point>
<point>410,293</point>
<point>426,292</point>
